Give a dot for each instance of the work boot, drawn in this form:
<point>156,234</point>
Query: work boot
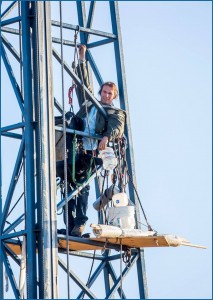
<point>78,230</point>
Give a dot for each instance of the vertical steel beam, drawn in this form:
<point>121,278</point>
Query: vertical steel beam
<point>141,272</point>
<point>119,58</point>
<point>90,18</point>
<point>107,275</point>
<point>35,53</point>
<point>113,276</point>
<point>29,151</point>
<point>81,19</point>
<point>48,233</point>
<point>125,271</point>
<point>120,69</point>
<point>107,279</point>
<point>94,276</point>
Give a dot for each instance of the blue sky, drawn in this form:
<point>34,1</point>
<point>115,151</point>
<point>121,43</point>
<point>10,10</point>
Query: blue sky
<point>168,60</point>
<point>168,57</point>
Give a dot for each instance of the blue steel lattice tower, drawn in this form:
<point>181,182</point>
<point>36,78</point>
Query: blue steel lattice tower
<point>30,34</point>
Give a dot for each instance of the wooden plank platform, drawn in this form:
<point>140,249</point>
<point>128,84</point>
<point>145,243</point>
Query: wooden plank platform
<point>83,244</point>
<point>114,243</point>
<point>138,242</point>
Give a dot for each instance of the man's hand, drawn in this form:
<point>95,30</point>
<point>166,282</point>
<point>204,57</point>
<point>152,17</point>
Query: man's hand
<point>103,143</point>
<point>82,51</point>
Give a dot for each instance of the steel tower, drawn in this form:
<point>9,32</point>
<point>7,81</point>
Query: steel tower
<point>37,48</point>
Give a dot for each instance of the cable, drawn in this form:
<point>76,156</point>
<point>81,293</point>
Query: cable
<point>17,177</point>
<point>70,92</point>
<point>148,225</point>
<point>87,118</point>
<point>107,180</point>
<point>88,280</point>
<point>65,150</point>
<point>102,191</point>
<point>121,288</point>
<point>15,204</point>
<point>122,156</point>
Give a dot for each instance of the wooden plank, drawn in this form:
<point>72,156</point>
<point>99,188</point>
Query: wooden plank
<point>78,244</point>
<point>15,248</point>
<point>138,242</point>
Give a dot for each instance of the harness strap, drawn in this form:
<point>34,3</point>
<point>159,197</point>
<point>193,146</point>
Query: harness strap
<point>74,142</point>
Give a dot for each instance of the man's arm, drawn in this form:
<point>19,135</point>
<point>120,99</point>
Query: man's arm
<point>103,143</point>
<point>83,75</point>
<point>115,127</point>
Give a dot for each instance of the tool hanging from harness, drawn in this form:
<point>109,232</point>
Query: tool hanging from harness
<point>79,164</point>
<point>75,123</point>
<point>71,89</point>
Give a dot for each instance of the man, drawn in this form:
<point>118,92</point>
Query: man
<point>95,122</point>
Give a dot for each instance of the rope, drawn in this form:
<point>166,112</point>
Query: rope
<point>148,225</point>
<point>73,164</point>
<point>107,180</point>
<point>88,280</point>
<point>120,167</point>
<point>65,150</point>
<point>101,194</point>
<point>122,172</point>
<point>123,150</point>
<point>121,281</point>
<point>71,89</point>
<point>84,96</point>
<point>86,108</point>
<point>70,93</point>
<point>76,48</point>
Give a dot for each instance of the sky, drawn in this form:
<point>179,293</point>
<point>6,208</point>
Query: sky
<point>168,62</point>
<point>168,58</point>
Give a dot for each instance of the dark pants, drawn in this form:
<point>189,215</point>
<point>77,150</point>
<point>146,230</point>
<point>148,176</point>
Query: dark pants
<point>77,209</point>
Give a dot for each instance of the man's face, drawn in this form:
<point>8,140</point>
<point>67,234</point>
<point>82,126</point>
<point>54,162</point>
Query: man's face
<point>107,95</point>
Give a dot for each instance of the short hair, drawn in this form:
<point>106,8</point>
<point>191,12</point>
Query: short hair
<point>112,85</point>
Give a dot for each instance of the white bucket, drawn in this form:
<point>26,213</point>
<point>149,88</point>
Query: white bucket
<point>120,199</point>
<point>109,159</point>
<point>123,216</point>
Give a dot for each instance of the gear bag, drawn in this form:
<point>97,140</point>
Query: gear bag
<point>84,163</point>
<point>72,122</point>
